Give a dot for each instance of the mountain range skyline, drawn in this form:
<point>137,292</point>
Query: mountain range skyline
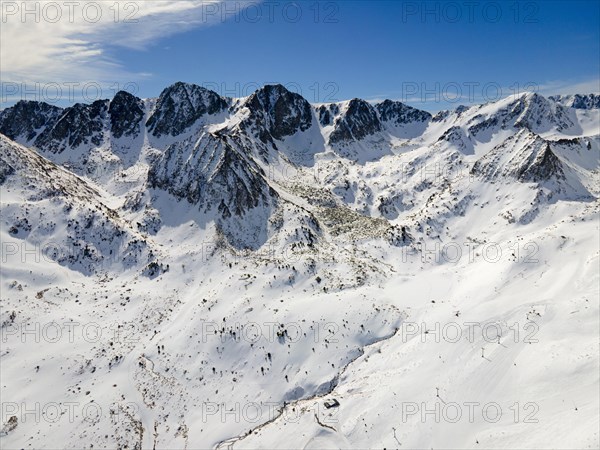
<point>41,96</point>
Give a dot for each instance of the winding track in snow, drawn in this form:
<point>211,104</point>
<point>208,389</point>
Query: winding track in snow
<point>227,444</point>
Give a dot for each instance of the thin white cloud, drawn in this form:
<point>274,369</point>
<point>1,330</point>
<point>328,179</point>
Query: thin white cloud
<point>570,87</point>
<point>70,42</point>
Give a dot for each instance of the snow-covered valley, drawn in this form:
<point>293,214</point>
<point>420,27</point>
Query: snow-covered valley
<point>196,271</point>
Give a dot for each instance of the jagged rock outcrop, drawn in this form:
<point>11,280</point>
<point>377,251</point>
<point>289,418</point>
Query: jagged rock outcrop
<point>24,121</point>
<point>441,115</point>
<point>578,101</point>
<point>126,113</point>
<point>544,166</point>
<point>398,113</point>
<point>180,106</point>
<point>357,121</point>
<point>525,157</point>
<point>327,113</point>
<point>78,125</point>
<point>275,112</point>
<point>53,129</point>
<point>453,134</point>
<point>212,173</point>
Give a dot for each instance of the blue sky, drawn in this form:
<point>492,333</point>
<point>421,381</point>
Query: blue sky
<point>430,54</point>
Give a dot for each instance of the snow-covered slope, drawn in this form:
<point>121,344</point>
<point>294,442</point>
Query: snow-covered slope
<point>195,271</point>
<point>62,218</point>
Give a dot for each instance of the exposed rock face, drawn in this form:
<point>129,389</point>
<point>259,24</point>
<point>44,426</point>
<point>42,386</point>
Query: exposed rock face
<point>452,134</point>
<point>79,125</point>
<point>327,113</point>
<point>213,174</point>
<point>126,113</point>
<point>358,121</point>
<point>578,101</point>
<point>530,111</point>
<point>180,106</point>
<point>534,111</point>
<point>525,157</point>
<point>484,125</point>
<point>399,236</point>
<point>398,113</point>
<point>26,119</point>
<point>54,129</point>
<point>441,116</point>
<point>7,168</point>
<point>543,166</point>
<point>461,109</point>
<point>216,174</point>
<point>276,112</point>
